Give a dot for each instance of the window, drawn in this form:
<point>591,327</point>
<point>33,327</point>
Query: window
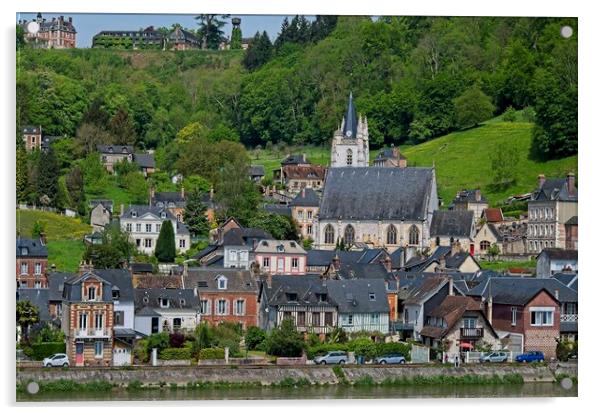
<point>148,227</point>
<point>329,235</point>
<point>222,283</point>
<point>310,229</point>
<point>349,235</point>
<point>286,315</point>
<point>315,318</point>
<point>165,303</point>
<point>182,243</point>
<point>244,256</point>
<point>98,321</point>
<point>115,294</point>
<point>157,227</point>
<point>91,293</point>
<point>349,157</point>
<point>138,227</point>
<point>266,262</point>
<point>374,318</point>
<point>542,317</point>
<point>295,262</point>
<point>24,251</point>
<point>83,321</point>
<point>514,311</point>
<point>138,242</point>
<point>240,307</point>
<point>300,318</point>
<point>37,284</point>
<point>98,348</point>
<point>148,243</point>
<point>24,268</point>
<point>128,227</point>
<point>467,323</point>
<point>221,307</point>
<point>310,214</point>
<point>291,296</point>
<point>205,307</point>
<point>118,318</point>
<point>414,235</point>
<point>177,323</point>
<point>372,296</point>
<point>300,214</point>
<point>485,245</point>
<point>349,320</point>
<point>328,318</point>
<point>392,235</point>
<point>280,264</point>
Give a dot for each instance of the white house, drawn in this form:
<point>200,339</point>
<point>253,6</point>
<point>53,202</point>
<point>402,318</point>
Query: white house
<point>166,309</point>
<point>554,260</point>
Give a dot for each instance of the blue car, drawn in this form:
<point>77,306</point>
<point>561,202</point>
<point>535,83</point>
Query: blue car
<point>528,357</point>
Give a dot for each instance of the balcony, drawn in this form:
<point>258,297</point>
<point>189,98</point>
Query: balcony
<point>569,318</point>
<point>471,333</point>
<point>92,333</point>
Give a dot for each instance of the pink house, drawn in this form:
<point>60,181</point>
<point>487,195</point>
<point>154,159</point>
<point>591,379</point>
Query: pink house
<point>280,257</point>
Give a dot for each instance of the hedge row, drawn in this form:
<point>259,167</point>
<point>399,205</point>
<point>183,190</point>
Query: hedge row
<point>212,353</point>
<point>363,347</point>
<point>40,351</point>
<point>176,353</point>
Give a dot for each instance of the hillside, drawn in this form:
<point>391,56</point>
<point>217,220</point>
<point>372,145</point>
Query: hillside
<point>462,159</point>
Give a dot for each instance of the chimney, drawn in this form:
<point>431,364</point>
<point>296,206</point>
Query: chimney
<point>85,266</point>
<point>541,179</point>
<point>387,263</point>
<point>442,263</point>
<point>336,262</point>
<point>303,193</point>
<point>151,195</point>
<point>269,280</point>
<point>477,195</point>
<point>53,267</point>
<point>556,294</point>
<point>450,286</point>
<point>570,181</point>
<point>182,193</point>
<point>403,257</point>
<point>455,248</point>
<point>122,209</point>
<point>43,238</point>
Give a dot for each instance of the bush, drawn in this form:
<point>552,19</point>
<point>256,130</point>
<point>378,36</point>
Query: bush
<point>363,347</point>
<point>285,341</point>
<point>212,353</point>
<point>387,348</point>
<point>157,340</point>
<point>40,351</point>
<point>176,353</point>
<point>509,115</point>
<point>254,337</point>
<point>176,340</point>
<point>324,348</point>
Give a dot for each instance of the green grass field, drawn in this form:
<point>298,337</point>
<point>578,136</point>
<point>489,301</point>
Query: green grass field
<point>65,254</point>
<point>501,266</point>
<point>461,159</point>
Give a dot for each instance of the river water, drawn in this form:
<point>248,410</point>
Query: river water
<point>322,392</point>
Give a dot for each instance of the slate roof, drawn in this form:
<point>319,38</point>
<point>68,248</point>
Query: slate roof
<point>141,210</point>
<point>568,279</point>
<point>353,296</point>
<point>493,215</point>
<point>154,295</point>
<point>376,193</point>
<point>114,149</point>
<point>423,290</point>
<point>352,271</point>
<point>554,189</point>
<point>245,236</point>
<point>350,125</point>
<point>559,254</point>
<point>293,159</point>
<point>106,203</point>
<point>116,279</point>
<point>256,170</point>
<point>34,248</point>
<point>306,288</point>
<point>47,141</point>
<point>572,221</point>
<point>518,290</point>
<point>468,196</point>
<point>159,281</point>
<point>206,280</point>
<point>206,251</point>
<point>306,197</point>
<point>167,197</point>
<point>145,160</point>
<point>389,153</point>
<point>39,298</point>
<point>119,278</point>
<point>32,129</point>
<point>56,282</point>
<point>72,287</point>
<point>454,223</point>
<point>138,267</point>
<point>494,231</point>
<point>272,245</point>
<point>278,209</point>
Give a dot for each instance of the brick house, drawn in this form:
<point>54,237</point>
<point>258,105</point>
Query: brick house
<point>111,154</point>
<point>280,257</point>
<point>390,157</point>
<point>32,262</point>
<point>57,33</point>
<point>304,209</point>
<point>571,229</point>
<point>225,295</point>
<point>32,137</point>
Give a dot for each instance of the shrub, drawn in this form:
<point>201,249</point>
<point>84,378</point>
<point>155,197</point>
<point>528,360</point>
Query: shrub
<point>254,337</point>
<point>387,348</point>
<point>325,348</point>
<point>176,339</point>
<point>176,353</point>
<point>157,340</point>
<point>363,347</point>
<point>285,341</point>
<point>40,351</point>
<point>212,353</point>
<point>509,115</point>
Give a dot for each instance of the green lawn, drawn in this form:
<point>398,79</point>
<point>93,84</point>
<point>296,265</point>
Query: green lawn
<point>112,191</point>
<point>65,254</point>
<point>58,227</point>
<point>501,266</point>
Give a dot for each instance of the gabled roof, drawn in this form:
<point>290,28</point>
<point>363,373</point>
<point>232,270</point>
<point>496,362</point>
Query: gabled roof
<point>114,149</point>
<point>106,203</point>
<point>572,221</point>
<point>554,189</point>
<point>115,279</point>
<point>493,215</point>
<point>56,282</point>
<point>519,290</point>
<point>278,209</point>
<point>494,231</point>
<point>426,289</point>
<point>300,172</point>
<point>145,160</point>
<point>32,129</point>
<point>256,170</point>
<point>452,223</point>
<point>451,310</point>
<point>206,280</point>
<point>245,236</point>
<point>389,153</point>
<point>568,279</point>
<point>354,296</point>
<point>375,193</point>
<point>306,197</point>
<point>179,299</point>
<point>354,270</point>
<point>137,211</point>
<point>296,290</point>
<point>137,267</point>
<point>166,197</point>
<point>26,248</point>
<point>206,251</point>
<point>559,254</point>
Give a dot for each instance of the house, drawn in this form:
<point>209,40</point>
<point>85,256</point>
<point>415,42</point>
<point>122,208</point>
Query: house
<point>148,38</point>
<point>32,137</point>
<point>511,238</point>
<point>143,224</point>
<point>553,260</point>
<point>378,206</point>
<point>362,305</point>
<point>174,202</point>
<point>302,299</point>
<point>304,208</point>
<point>32,262</point>
<point>182,39</point>
<point>320,260</point>
<point>166,309</point>
<point>525,312</point>
<point>470,200</point>
<point>100,214</point>
<point>140,270</point>
<point>443,258</point>
<point>111,154</point>
<point>390,157</point>
<point>256,172</point>
<point>552,204</point>
<point>146,163</point>
<point>39,297</point>
<point>350,142</point>
<point>56,33</point>
<point>571,229</point>
<point>296,177</point>
<point>458,324</point>
<point>233,246</point>
<point>486,237</point>
<point>453,226</point>
<point>280,257</point>
<point>278,209</point>
<point>225,295</point>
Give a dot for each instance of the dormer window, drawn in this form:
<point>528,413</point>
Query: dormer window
<point>24,251</point>
<point>91,293</point>
<point>291,296</point>
<point>115,294</point>
<point>280,248</point>
<point>222,282</point>
<point>134,214</point>
<point>163,215</point>
<point>159,204</point>
<point>164,303</point>
<point>182,302</point>
<point>372,296</point>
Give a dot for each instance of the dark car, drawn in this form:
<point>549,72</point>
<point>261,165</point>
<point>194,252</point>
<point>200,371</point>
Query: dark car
<point>528,357</point>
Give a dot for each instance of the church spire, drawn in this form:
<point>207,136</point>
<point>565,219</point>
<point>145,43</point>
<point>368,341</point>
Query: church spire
<point>350,126</point>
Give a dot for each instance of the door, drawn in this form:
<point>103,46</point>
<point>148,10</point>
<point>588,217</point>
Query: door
<point>122,356</point>
<point>472,249</point>
<point>155,325</point>
<point>79,354</point>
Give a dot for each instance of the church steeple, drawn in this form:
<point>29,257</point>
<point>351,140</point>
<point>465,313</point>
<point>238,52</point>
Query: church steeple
<point>350,125</point>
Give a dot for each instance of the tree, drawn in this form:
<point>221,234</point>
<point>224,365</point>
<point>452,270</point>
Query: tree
<point>254,337</point>
<point>503,166</point>
<point>88,136</point>
<point>22,177</point>
<point>122,128</point>
<point>115,249</point>
<point>473,107</point>
<point>75,185</point>
<point>165,251</point>
<point>20,37</point>
<point>39,227</point>
<point>195,214</point>
<point>279,226</point>
<point>258,52</point>
<point>210,29</point>
<point>27,315</point>
<point>285,341</point>
<point>493,251</point>
<point>236,38</point>
<point>48,177</point>
<point>236,194</point>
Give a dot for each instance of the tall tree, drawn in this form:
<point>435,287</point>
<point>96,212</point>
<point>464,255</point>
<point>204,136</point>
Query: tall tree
<point>115,250</point>
<point>165,251</point>
<point>210,29</point>
<point>22,180</point>
<point>195,214</point>
<point>122,127</point>
<point>236,194</point>
<point>75,185</point>
<point>27,315</point>
<point>259,51</point>
<point>473,107</point>
<point>48,178</point>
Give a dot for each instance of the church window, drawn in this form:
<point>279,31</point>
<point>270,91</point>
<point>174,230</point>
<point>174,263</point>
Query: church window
<point>392,235</point>
<point>349,157</point>
<point>329,234</point>
<point>349,235</point>
<point>414,235</point>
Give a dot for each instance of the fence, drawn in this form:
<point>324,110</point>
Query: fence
<point>474,357</point>
<point>420,354</point>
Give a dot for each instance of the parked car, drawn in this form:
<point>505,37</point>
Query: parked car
<point>59,359</point>
<point>335,357</point>
<point>390,359</point>
<point>532,356</point>
<point>494,357</point>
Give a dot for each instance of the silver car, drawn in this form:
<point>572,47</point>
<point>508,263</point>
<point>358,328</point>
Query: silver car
<point>333,358</point>
<point>391,359</point>
<point>59,359</point>
<point>494,357</point>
